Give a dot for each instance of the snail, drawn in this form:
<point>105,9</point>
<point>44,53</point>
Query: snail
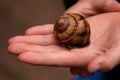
<point>73,30</point>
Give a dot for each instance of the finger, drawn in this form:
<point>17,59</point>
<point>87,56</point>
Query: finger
<point>111,5</point>
<point>82,7</point>
<point>20,48</point>
<point>83,73</point>
<point>17,48</point>
<point>40,30</point>
<point>80,71</point>
<point>57,58</point>
<point>75,70</point>
<point>105,62</point>
<point>36,40</point>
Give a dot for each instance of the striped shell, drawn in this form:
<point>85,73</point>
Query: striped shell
<point>72,29</point>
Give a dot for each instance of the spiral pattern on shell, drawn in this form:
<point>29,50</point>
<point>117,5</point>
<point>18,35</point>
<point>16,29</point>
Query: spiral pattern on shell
<point>72,29</point>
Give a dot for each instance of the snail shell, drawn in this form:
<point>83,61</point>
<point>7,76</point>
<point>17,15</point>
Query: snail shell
<point>72,29</point>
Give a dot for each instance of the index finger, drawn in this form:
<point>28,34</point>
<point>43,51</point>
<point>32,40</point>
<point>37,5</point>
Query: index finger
<point>40,30</point>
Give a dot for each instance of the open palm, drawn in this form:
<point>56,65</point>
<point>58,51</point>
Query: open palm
<point>39,47</point>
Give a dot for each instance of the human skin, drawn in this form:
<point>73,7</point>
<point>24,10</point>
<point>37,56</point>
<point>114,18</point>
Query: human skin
<point>87,8</point>
<point>39,47</point>
<point>93,7</point>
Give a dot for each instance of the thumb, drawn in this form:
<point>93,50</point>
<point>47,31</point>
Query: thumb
<point>106,61</point>
<point>111,5</point>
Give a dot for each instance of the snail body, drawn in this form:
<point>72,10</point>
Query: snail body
<point>72,29</point>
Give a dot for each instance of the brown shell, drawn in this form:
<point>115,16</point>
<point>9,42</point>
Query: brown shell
<point>72,29</point>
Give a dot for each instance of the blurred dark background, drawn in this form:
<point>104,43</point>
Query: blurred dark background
<point>15,17</point>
